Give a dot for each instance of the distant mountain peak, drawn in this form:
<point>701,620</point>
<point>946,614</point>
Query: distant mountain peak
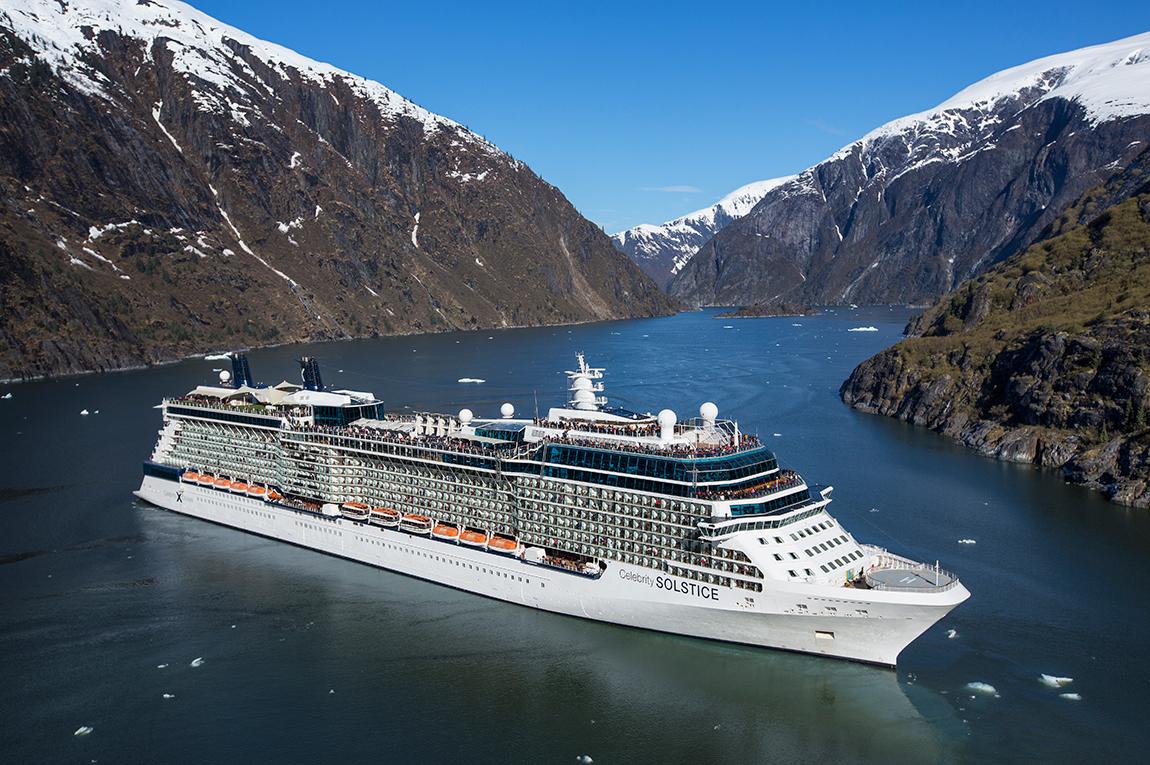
<point>662,250</point>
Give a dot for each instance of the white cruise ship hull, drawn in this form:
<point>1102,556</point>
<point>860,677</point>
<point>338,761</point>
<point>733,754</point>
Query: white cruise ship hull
<point>860,625</point>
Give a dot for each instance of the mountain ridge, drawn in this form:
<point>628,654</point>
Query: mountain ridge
<point>172,185</point>
<point>914,207</point>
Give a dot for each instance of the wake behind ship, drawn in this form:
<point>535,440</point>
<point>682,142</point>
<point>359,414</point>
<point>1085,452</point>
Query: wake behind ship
<point>594,511</point>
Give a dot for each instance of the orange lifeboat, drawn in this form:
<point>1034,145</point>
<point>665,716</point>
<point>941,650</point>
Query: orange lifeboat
<point>223,483</point>
<point>385,516</point>
<point>503,545</point>
<point>474,537</point>
<point>356,511</point>
<point>258,492</point>
<point>191,476</point>
<point>206,480</point>
<point>416,524</point>
<point>446,532</point>
<point>240,487</point>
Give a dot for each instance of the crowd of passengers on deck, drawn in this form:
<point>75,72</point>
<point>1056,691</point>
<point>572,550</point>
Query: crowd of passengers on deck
<point>785,480</point>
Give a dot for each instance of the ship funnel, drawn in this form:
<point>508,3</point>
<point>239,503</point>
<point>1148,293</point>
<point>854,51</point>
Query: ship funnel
<point>311,376</point>
<point>241,372</point>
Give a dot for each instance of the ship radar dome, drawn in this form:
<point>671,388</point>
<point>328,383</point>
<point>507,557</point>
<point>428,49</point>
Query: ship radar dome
<point>708,411</point>
<point>507,410</point>
<point>581,383</point>
<point>465,416</point>
<point>584,399</point>
<point>225,376</point>
<point>666,420</point>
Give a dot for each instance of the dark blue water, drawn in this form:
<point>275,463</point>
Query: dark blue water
<point>312,659</point>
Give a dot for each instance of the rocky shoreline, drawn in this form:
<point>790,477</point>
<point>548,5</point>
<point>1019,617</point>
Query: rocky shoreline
<point>1043,360</point>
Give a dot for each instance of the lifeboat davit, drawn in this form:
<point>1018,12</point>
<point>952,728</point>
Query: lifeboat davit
<point>446,532</point>
<point>258,492</point>
<point>190,476</point>
<point>206,480</point>
<point>474,537</point>
<point>416,524</point>
<point>503,545</point>
<point>356,511</point>
<point>385,516</point>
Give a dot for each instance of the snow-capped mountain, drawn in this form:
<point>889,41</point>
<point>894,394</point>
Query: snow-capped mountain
<point>918,205</point>
<point>662,251</point>
<point>170,184</point>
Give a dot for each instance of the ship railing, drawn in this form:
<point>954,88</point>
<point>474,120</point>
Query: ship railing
<point>884,560</point>
<point>222,406</point>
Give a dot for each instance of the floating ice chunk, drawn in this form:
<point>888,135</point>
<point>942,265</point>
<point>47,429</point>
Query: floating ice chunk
<point>217,356</point>
<point>728,326</point>
<point>1050,681</point>
<point>331,692</point>
<point>863,329</point>
<point>1070,696</point>
<point>777,435</point>
<point>585,759</point>
<point>951,634</point>
<point>874,510</point>
<point>84,412</point>
<point>6,396</point>
<point>169,696</point>
<point>967,542</point>
<point>476,380</point>
<point>83,730</point>
<point>161,666</point>
<point>796,325</point>
<point>985,689</point>
<point>198,661</point>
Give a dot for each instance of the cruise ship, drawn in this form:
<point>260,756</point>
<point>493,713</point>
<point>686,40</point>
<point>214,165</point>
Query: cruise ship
<point>687,527</point>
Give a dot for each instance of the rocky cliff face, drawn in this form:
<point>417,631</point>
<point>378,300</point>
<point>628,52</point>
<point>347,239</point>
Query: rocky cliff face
<point>1046,357</point>
<point>664,250</point>
<point>917,206</point>
<point>171,185</point>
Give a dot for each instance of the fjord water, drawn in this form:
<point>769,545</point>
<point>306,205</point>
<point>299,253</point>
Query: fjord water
<point>105,602</point>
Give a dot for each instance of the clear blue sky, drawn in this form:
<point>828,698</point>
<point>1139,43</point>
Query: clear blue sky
<point>613,101</point>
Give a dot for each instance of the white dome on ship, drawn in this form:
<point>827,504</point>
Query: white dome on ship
<point>225,376</point>
<point>708,411</point>
<point>465,416</point>
<point>667,418</point>
<point>507,410</point>
<point>581,383</point>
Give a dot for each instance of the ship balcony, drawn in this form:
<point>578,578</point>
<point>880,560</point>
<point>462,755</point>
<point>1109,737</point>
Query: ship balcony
<point>894,573</point>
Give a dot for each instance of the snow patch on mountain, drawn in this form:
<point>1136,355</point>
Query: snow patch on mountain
<point>1109,81</point>
<point>65,34</point>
